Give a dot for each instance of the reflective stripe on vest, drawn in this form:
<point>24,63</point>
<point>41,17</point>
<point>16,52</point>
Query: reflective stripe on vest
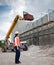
<point>17,42</point>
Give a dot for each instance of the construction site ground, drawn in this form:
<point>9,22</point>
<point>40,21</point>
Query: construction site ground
<point>35,55</point>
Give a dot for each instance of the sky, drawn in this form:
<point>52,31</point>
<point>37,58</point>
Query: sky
<point>10,8</point>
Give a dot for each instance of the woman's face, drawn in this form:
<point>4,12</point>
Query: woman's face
<point>18,35</point>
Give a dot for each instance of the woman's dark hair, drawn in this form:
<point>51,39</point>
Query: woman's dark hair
<point>16,35</point>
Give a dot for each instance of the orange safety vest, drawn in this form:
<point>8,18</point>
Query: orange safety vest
<point>17,42</point>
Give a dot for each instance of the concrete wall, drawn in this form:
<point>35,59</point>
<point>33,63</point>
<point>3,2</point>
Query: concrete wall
<point>24,25</point>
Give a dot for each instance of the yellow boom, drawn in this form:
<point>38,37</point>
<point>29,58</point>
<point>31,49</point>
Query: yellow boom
<point>12,26</point>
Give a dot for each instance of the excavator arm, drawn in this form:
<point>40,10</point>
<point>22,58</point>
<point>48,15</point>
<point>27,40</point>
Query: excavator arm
<point>12,26</point>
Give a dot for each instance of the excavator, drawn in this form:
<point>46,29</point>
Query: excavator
<point>7,44</point>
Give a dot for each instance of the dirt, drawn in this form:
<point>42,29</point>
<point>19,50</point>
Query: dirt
<point>34,56</point>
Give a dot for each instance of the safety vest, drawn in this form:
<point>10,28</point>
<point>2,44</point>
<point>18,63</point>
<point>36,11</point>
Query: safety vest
<point>17,42</point>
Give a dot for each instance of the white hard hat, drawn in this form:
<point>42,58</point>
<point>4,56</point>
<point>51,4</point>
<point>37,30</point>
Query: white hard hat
<point>16,32</point>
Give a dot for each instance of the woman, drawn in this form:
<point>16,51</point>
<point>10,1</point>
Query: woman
<point>17,45</point>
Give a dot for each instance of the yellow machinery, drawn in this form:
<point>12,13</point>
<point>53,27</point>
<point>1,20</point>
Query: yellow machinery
<point>7,44</point>
<point>12,26</point>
